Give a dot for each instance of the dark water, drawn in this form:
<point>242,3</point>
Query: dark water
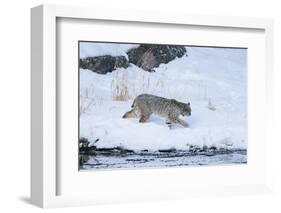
<point>142,160</point>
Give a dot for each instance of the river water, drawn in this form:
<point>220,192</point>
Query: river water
<point>104,162</point>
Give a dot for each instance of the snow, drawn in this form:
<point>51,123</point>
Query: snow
<point>213,80</point>
<point>91,49</point>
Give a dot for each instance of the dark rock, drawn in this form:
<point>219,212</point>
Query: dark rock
<point>167,150</point>
<point>85,148</point>
<point>209,154</point>
<point>213,148</point>
<point>112,151</point>
<point>84,142</point>
<point>149,56</point>
<point>83,159</point>
<point>104,64</point>
<point>205,148</point>
<point>194,149</point>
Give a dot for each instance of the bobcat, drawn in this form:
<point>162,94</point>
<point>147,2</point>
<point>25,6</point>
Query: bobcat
<point>144,105</point>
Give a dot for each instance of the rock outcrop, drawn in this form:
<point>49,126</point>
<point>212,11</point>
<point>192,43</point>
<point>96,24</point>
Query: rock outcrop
<point>150,56</point>
<point>104,64</point>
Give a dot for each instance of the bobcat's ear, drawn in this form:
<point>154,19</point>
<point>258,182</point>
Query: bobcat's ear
<point>188,103</point>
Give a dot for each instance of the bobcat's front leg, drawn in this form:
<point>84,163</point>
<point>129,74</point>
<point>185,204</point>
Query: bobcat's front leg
<point>168,122</point>
<point>182,122</point>
<point>177,120</point>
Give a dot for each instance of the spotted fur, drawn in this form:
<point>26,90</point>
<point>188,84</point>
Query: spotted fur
<point>144,105</point>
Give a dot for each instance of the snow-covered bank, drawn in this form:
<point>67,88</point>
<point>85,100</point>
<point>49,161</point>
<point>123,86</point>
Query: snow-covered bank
<point>212,79</point>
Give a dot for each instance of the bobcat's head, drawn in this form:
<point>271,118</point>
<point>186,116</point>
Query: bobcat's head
<point>186,110</point>
<point>183,108</point>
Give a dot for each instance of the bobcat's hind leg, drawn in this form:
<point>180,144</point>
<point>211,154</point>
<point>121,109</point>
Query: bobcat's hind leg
<point>144,117</point>
<point>130,114</point>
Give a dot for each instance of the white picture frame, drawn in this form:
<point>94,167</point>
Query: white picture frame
<point>44,83</point>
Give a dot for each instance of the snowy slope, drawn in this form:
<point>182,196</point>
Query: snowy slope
<point>212,79</point>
